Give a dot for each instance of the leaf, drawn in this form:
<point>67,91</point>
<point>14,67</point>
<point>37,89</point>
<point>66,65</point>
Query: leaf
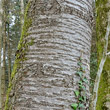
<point>74,106</point>
<point>82,87</point>
<point>85,80</point>
<point>82,68</point>
<point>80,82</point>
<point>79,73</point>
<point>80,59</point>
<point>79,63</point>
<point>81,99</point>
<point>76,93</point>
<point>81,105</point>
<point>84,98</point>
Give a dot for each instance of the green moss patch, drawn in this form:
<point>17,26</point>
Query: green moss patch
<point>101,25</point>
<point>102,91</point>
<point>19,55</point>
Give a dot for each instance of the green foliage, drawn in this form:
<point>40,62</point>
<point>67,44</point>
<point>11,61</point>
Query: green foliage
<point>79,73</point>
<point>102,7</point>
<point>27,24</point>
<point>101,24</point>
<point>76,93</point>
<point>102,91</point>
<point>74,106</point>
<point>81,106</point>
<point>94,68</point>
<point>85,80</point>
<point>81,93</point>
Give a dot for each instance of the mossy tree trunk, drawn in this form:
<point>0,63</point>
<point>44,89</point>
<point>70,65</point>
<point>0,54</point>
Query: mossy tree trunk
<point>54,35</point>
<point>4,53</point>
<point>0,49</point>
<point>102,8</point>
<point>8,41</point>
<point>9,54</point>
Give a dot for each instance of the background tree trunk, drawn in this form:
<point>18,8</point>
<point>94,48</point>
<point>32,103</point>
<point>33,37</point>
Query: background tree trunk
<point>4,54</point>
<point>9,55</point>
<point>8,41</point>
<point>22,13</point>
<point>55,33</point>
<point>0,49</point>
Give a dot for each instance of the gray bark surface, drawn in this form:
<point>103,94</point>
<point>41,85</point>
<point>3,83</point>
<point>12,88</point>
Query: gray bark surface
<point>47,79</point>
<point>22,13</point>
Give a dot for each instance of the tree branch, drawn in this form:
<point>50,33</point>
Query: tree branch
<point>108,53</point>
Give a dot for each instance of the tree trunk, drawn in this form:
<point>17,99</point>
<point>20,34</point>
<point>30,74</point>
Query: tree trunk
<point>0,50</point>
<point>55,33</point>
<point>22,13</point>
<point>9,55</point>
<point>101,24</point>
<point>8,40</point>
<point>4,55</point>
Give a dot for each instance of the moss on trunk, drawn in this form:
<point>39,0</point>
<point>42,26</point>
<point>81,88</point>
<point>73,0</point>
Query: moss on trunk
<point>102,7</point>
<point>19,55</point>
